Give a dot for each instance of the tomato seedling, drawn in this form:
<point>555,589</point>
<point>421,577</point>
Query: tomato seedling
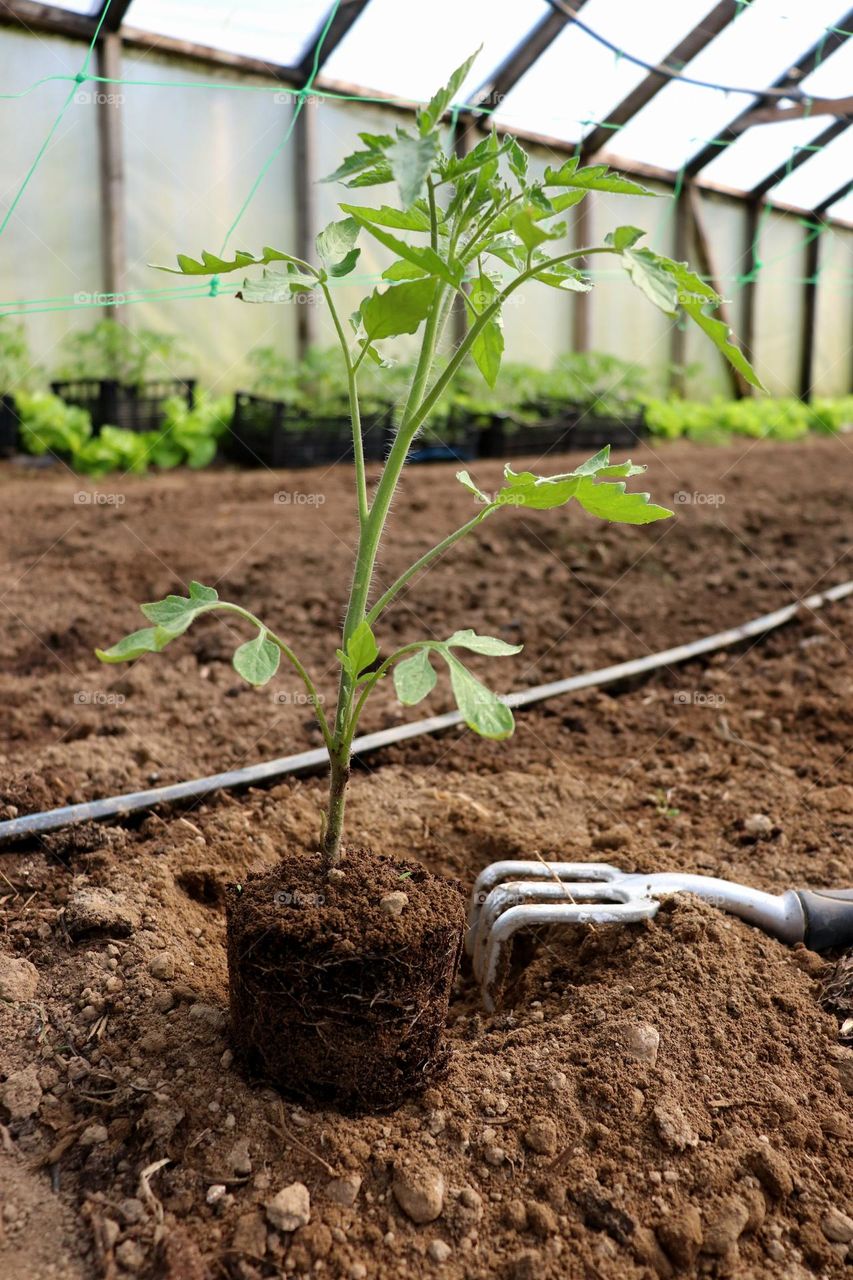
<point>475,228</point>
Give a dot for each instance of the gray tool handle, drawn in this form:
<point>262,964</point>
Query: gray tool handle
<point>828,916</point>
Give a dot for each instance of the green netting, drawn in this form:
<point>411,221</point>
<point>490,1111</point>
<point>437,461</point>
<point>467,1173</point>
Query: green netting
<point>756,264</point>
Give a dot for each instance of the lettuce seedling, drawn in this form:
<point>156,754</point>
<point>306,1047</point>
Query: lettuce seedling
<point>473,228</point>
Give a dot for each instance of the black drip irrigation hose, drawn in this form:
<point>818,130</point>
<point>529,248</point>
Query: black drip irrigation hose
<point>310,761</point>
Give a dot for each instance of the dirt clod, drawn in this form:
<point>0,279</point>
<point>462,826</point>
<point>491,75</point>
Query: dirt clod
<point>18,978</point>
<point>837,1226</point>
<point>675,1130</point>
<point>680,1234</point>
<point>100,911</point>
<point>772,1170</point>
<point>21,1093</point>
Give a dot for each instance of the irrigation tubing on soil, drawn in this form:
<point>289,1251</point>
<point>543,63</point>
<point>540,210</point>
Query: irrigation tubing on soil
<point>309,761</point>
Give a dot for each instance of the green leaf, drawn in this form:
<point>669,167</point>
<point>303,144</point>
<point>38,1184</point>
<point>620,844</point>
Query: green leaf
<point>564,276</point>
<point>414,678</point>
<point>336,246</point>
<point>411,159</point>
<point>518,159</point>
<point>649,273</point>
<point>697,299</point>
<point>211,265</point>
<point>624,237</point>
<point>257,660</point>
<point>175,613</point>
<point>276,286</point>
<point>365,168</point>
<point>147,640</point>
<point>362,649</point>
<point>488,347</point>
<point>527,230</point>
<point>429,117</point>
<point>401,308</point>
<point>402,270</point>
<point>490,645</point>
<point>597,485</point>
<point>421,255</point>
<point>464,478</point>
<point>485,153</point>
<point>414,219</point>
<point>595,177</point>
<point>481,709</point>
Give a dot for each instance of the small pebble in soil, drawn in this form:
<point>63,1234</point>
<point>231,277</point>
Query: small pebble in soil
<point>130,1256</point>
<point>758,825</point>
<point>439,1251</point>
<point>640,1040</point>
<point>419,1191</point>
<point>674,1129</point>
<point>336,875</point>
<point>344,1191</point>
<point>394,904</point>
<point>215,1193</point>
<point>290,1208</point>
<point>93,1135</point>
<point>21,1093</point>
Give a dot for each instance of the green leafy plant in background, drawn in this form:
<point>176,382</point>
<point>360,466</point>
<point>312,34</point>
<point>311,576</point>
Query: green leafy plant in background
<point>18,373</point>
<point>112,351</point>
<point>49,425</point>
<point>479,222</point>
<point>766,419</point>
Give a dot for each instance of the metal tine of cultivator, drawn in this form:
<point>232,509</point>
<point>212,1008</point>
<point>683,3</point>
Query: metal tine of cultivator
<point>514,869</point>
<point>589,902</point>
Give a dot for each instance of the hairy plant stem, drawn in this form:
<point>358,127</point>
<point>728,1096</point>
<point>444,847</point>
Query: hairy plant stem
<point>419,405</point>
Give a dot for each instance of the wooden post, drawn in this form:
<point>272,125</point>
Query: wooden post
<point>807,348</point>
<point>582,310</point>
<point>750,294</point>
<point>681,253</point>
<point>708,267</point>
<point>111,163</point>
<point>304,135</point>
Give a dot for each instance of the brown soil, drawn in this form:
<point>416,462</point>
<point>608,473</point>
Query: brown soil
<point>568,1140</point>
<point>339,982</point>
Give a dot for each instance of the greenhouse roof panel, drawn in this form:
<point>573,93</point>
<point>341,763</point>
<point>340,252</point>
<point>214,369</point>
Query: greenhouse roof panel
<point>278,33</point>
<point>577,81</point>
<point>90,7</point>
<point>759,46</point>
<point>810,185</point>
<point>758,151</point>
<point>394,49</point>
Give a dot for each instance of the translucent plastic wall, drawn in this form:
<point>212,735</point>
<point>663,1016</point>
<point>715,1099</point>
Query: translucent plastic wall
<point>192,153</point>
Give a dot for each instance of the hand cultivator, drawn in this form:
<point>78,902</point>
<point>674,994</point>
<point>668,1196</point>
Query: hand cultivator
<point>515,895</point>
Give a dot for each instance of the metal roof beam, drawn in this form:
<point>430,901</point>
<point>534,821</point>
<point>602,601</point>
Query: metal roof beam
<point>348,12</point>
<point>47,17</point>
<point>113,13</point>
<point>692,44</point>
<point>790,79</point>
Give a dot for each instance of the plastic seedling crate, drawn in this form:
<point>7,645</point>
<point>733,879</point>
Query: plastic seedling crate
<point>505,438</point>
<point>451,443</point>
<point>8,427</point>
<point>268,433</point>
<point>109,403</point>
<point>594,433</point>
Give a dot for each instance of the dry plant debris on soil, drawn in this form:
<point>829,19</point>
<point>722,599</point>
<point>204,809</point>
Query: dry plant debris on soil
<point>663,1100</point>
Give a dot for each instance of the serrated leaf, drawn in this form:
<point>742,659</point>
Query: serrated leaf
<point>146,640</point>
<point>175,613</point>
<point>485,153</point>
<point>275,286</point>
<point>402,270</point>
<point>564,276</point>
<point>594,485</point>
<point>362,649</point>
<point>464,478</point>
<point>439,102</point>
<point>488,347</point>
<point>336,246</point>
<point>257,660</point>
<point>411,159</point>
<point>489,645</point>
<point>624,237</point>
<point>358,168</point>
<point>518,159</point>
<point>697,299</point>
<point>527,230</point>
<point>421,255</point>
<point>651,277</point>
<point>595,177</point>
<point>400,308</point>
<point>414,219</point>
<point>481,709</point>
<point>211,265</point>
<point>414,678</point>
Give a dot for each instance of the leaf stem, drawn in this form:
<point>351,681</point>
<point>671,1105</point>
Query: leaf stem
<point>354,408</point>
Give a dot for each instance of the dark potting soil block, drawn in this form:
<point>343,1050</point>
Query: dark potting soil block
<point>334,998</point>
